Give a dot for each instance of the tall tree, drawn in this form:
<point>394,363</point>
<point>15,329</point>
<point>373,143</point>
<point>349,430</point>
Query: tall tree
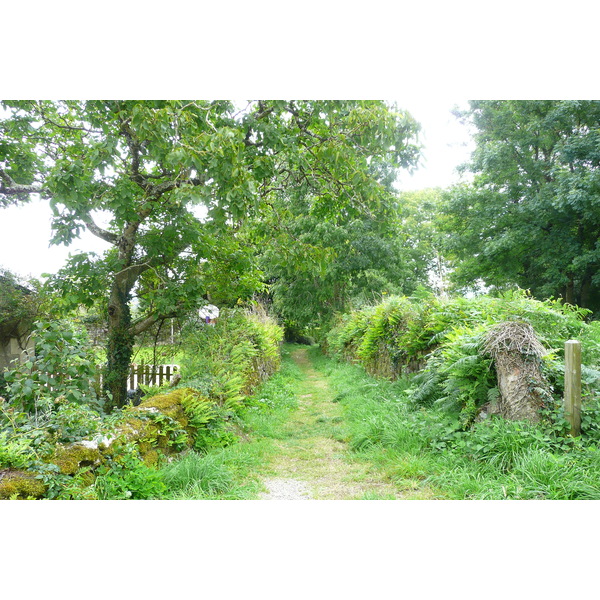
<point>531,215</point>
<point>145,166</point>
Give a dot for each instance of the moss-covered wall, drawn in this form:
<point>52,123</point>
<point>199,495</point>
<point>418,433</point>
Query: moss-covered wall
<point>158,427</point>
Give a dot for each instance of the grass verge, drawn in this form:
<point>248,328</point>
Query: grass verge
<point>425,449</point>
<point>233,472</point>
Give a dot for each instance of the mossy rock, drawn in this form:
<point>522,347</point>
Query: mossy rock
<point>140,426</point>
<point>20,485</point>
<point>151,457</point>
<point>169,404</point>
<point>70,459</point>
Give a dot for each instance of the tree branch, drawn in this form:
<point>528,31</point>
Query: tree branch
<point>10,188</point>
<point>145,323</point>
<point>107,236</point>
<point>125,279</point>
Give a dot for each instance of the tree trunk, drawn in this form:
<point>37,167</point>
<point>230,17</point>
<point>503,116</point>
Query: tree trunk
<point>517,357</point>
<point>586,291</point>
<point>570,291</point>
<point>119,349</point>
<point>520,382</point>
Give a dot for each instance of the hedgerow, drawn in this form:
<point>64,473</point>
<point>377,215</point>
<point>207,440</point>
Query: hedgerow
<point>441,340</point>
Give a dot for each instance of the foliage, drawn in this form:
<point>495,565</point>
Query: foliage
<point>529,217</point>
<point>227,361</point>
<point>126,477</point>
<point>79,452</point>
<point>62,367</point>
<point>316,268</point>
<point>175,183</point>
<point>443,339</point>
<point>15,451</point>
<point>427,448</point>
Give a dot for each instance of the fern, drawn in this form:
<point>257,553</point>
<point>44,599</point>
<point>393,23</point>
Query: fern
<point>199,410</point>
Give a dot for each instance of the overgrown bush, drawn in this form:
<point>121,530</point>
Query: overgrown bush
<point>228,360</point>
<point>63,367</point>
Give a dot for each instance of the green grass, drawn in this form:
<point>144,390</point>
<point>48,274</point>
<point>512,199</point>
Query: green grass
<point>421,451</point>
<point>265,413</point>
<point>165,354</point>
<point>424,448</point>
<point>233,472</point>
<point>224,474</point>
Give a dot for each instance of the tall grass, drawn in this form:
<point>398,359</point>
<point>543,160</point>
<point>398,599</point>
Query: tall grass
<point>224,474</point>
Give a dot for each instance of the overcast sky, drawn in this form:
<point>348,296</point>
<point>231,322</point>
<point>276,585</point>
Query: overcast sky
<point>25,230</point>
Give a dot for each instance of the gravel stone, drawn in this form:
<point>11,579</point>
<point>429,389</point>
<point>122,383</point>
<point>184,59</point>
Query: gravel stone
<point>286,489</point>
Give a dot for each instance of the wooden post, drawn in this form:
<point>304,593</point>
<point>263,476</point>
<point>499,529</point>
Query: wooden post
<point>573,385</point>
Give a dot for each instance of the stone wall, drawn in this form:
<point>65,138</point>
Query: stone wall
<point>18,348</point>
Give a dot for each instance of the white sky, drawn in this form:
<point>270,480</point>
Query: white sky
<point>25,230</point>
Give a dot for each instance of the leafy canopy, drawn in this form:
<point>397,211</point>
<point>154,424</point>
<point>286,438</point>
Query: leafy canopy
<point>530,217</point>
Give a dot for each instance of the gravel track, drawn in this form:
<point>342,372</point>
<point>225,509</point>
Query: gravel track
<point>310,463</point>
<point>285,489</point>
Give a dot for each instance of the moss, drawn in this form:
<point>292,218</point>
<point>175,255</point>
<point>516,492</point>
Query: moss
<point>169,404</point>
<point>151,458</point>
<point>20,485</point>
<point>70,459</point>
<point>142,424</point>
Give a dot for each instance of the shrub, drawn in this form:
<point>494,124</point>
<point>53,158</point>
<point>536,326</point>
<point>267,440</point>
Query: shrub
<point>63,366</point>
<point>227,361</point>
<point>127,477</point>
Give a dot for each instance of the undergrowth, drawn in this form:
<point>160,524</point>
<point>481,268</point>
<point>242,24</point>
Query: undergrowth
<point>420,447</point>
<point>442,341</point>
<point>53,409</point>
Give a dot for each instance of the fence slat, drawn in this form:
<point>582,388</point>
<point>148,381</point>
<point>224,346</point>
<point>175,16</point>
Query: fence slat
<point>140,374</point>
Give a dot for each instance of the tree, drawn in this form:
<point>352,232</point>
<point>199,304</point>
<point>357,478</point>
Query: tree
<point>149,167</point>
<point>530,217</point>
<point>423,238</point>
<point>318,268</point>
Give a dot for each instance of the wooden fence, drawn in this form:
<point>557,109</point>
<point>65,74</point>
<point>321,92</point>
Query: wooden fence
<point>150,375</point>
<point>143,374</point>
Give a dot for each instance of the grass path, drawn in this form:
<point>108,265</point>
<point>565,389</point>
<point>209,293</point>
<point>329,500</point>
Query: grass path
<point>312,459</point>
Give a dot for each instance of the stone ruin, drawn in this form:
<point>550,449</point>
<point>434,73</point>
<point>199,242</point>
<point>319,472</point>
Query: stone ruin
<point>16,343</point>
